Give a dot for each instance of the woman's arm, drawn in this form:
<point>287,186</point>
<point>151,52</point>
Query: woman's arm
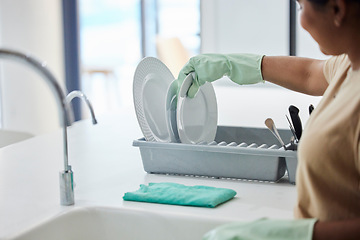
<point>337,230</point>
<point>299,74</point>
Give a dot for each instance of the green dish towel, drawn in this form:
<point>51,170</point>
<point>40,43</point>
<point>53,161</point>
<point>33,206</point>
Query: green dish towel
<point>179,194</point>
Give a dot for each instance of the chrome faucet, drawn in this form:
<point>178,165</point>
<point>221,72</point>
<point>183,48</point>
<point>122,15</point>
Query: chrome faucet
<point>82,96</point>
<point>65,176</point>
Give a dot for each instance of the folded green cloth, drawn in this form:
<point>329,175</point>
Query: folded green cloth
<point>179,194</point>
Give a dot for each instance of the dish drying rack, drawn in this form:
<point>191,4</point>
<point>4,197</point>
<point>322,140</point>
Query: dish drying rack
<point>236,153</point>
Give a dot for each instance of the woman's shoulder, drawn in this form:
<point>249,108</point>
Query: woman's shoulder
<point>336,65</point>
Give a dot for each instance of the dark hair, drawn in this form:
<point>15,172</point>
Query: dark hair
<point>321,3</point>
<point>324,2</point>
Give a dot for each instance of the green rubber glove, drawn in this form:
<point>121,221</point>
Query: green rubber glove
<point>264,229</point>
<point>240,68</point>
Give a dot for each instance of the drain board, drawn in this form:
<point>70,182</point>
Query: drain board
<point>237,152</point>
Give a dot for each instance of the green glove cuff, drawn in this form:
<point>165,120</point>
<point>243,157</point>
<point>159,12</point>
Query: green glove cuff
<point>264,229</point>
<point>245,68</point>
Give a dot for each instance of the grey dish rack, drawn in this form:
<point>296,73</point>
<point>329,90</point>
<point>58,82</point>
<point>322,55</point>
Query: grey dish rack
<point>237,152</point>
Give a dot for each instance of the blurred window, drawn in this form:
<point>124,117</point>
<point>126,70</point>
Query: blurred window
<point>180,18</point>
<point>114,34</point>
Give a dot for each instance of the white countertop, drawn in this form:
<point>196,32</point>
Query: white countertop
<point>105,166</point>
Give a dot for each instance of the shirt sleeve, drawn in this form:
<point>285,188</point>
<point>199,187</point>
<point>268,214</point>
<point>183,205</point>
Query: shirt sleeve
<point>333,64</point>
<point>357,156</point>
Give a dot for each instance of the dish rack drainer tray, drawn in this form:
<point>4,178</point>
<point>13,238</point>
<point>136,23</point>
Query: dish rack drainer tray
<point>237,152</point>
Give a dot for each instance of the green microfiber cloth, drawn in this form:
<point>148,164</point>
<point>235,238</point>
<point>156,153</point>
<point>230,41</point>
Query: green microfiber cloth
<point>179,194</point>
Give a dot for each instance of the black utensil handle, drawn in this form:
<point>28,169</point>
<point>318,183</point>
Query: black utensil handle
<point>294,114</point>
<point>311,108</point>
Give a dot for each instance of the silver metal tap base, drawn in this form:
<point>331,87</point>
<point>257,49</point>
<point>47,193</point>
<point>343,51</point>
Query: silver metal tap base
<point>66,188</point>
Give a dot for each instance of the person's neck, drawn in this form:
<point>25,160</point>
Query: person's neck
<point>354,55</point>
<point>354,50</point>
<point>355,61</point>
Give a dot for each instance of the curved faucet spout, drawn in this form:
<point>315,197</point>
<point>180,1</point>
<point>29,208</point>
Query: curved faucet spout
<point>66,188</point>
<point>82,96</point>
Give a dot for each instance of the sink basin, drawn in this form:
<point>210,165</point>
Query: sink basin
<point>103,223</point>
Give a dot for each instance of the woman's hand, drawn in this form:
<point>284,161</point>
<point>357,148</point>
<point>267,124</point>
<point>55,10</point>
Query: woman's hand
<point>240,68</point>
<point>265,229</point>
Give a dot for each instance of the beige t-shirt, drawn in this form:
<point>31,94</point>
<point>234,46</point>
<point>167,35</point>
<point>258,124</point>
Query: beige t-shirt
<point>328,174</point>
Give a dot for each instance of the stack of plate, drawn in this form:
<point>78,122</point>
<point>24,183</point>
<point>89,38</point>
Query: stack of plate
<point>164,115</point>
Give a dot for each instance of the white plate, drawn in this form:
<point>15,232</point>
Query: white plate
<point>171,105</point>
<point>152,80</point>
<point>196,117</point>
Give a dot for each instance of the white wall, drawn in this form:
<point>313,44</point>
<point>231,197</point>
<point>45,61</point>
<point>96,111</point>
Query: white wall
<point>34,27</point>
<point>261,27</point>
<point>255,26</point>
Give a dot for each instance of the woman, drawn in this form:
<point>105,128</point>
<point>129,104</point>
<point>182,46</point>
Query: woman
<point>328,174</point>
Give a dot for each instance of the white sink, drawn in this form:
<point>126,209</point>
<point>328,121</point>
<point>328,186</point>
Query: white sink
<point>95,223</point>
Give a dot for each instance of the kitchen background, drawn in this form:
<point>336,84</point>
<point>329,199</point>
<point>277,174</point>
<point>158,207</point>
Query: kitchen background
<point>114,35</point>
